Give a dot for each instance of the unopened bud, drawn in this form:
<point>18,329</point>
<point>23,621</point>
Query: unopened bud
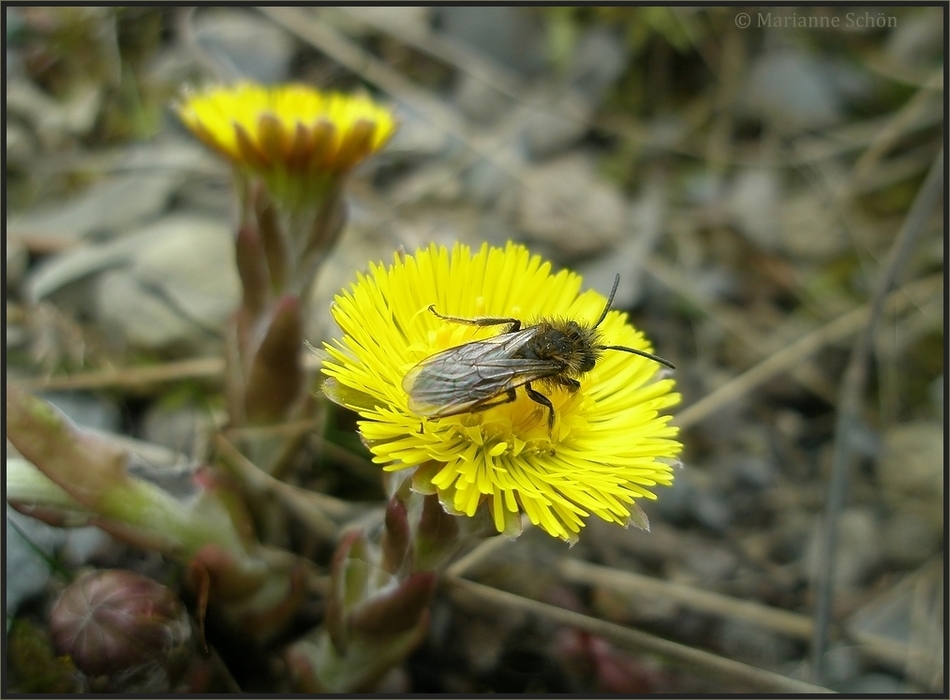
<point>114,621</point>
<point>396,536</point>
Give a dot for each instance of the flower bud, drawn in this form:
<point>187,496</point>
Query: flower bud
<point>437,537</point>
<point>394,610</point>
<point>276,374</point>
<point>396,536</point>
<point>114,621</point>
<point>252,269</point>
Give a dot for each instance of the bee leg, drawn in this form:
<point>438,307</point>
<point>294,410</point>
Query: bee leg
<point>513,323</point>
<point>540,398</point>
<point>571,385</point>
<point>508,398</point>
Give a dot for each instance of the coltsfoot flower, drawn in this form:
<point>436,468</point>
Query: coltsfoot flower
<point>293,136</point>
<point>609,443</point>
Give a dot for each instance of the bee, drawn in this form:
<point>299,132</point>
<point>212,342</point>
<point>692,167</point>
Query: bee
<point>485,373</point>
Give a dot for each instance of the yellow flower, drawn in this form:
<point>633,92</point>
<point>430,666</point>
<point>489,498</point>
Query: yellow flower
<point>287,131</point>
<point>609,443</point>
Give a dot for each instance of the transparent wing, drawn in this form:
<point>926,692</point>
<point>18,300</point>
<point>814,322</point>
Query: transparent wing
<point>457,380</point>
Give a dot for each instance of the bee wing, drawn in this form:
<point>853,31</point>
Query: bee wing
<point>458,379</point>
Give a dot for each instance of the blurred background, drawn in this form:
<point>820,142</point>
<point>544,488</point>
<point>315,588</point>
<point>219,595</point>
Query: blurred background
<point>746,171</point>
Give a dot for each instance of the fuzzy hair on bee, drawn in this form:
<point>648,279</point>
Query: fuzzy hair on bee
<point>481,374</point>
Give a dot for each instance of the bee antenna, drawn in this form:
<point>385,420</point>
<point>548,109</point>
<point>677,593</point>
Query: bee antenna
<point>610,300</point>
<point>641,353</point>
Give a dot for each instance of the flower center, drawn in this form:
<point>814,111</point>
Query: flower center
<point>519,426</point>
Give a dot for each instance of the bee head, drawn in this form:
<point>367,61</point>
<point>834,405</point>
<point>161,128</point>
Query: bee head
<point>588,358</point>
<point>583,342</point>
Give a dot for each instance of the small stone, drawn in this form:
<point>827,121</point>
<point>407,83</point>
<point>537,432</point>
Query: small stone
<point>712,510</point>
<point>565,204</point>
<point>790,89</point>
<point>911,470</point>
<point>176,427</point>
<point>108,207</point>
<point>753,204</point>
<point>26,570</point>
<point>909,540</point>
<point>600,57</point>
<point>711,564</point>
<point>134,317</point>
<point>842,663</point>
<point>54,121</point>
<point>416,139</point>
<point>935,391</point>
<point>59,277</point>
<point>512,36</point>
<point>916,44</point>
<point>808,229</point>
<point>179,262</point>
<point>17,259</point>
<point>245,44</point>
<point>561,124</point>
<point>755,472</point>
<point>746,642</point>
<point>479,101</point>
<point>858,552</point>
<point>673,503</point>
<point>486,181</point>
<point>410,21</point>
<point>86,409</point>
<point>21,146</point>
<point>166,301</point>
<point>874,684</point>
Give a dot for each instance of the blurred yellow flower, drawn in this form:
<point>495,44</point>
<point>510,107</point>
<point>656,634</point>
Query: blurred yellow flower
<point>287,131</point>
<point>609,444</point>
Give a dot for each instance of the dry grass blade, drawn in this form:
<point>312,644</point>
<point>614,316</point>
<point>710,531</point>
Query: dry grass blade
<point>128,377</point>
<point>852,392</point>
<point>733,322</point>
<point>316,509</point>
<point>158,456</point>
<point>347,53</point>
<point>928,620</point>
<point>782,621</point>
<point>896,128</point>
<point>791,356</point>
<point>455,54</point>
<point>734,672</point>
<point>136,377</point>
<point>479,553</point>
<point>356,464</point>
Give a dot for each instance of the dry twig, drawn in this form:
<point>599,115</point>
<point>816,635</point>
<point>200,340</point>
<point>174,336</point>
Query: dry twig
<point>734,672</point>
<point>792,355</point>
<point>852,392</point>
<point>777,620</point>
<point>316,509</point>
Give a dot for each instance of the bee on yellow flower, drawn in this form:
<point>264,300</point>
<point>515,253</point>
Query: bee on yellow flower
<point>609,445</point>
